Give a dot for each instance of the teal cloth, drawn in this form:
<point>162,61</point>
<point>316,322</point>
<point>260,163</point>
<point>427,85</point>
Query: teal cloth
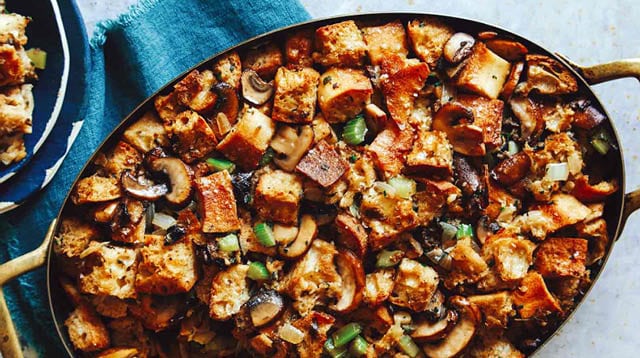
<point>131,58</point>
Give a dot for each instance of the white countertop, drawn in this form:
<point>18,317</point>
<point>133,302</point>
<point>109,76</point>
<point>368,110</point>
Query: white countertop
<point>588,32</point>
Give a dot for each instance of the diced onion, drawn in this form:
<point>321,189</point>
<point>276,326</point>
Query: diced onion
<point>557,172</point>
<point>404,187</point>
<point>448,231</point>
<point>512,148</point>
<point>163,221</point>
<point>384,188</point>
<point>290,333</point>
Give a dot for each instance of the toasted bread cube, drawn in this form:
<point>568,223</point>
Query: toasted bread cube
<point>533,299</point>
<point>86,330</point>
<point>166,269</point>
<point>388,150</point>
<point>401,89</point>
<point>130,223</point>
<point>433,199</point>
<point>487,114</point>
<point>15,65</point>
<point>217,203</point>
<point>265,60</point>
<point>428,36</point>
<point>111,270</point>
<point>467,265</point>
<point>596,231</point>
<point>119,352</point>
<point>298,49</point>
<point>194,91</point>
<point>128,332</point>
<point>146,133</point>
<point>432,154</point>
<point>314,326</point>
<point>74,237</point>
<point>16,109</point>
<point>561,257</point>
<point>386,39</point>
<point>563,210</point>
<point>352,233</point>
<point>295,97</point>
<point>340,44</point>
<point>512,256</point>
<point>278,196</point>
<point>496,308</point>
<point>228,69</point>
<point>491,346</point>
<point>387,217</point>
<point>110,306</point>
<point>343,93</point>
<point>484,72</point>
<point>155,312</point>
<point>248,139</point>
<point>192,137</point>
<point>378,286</point>
<point>323,164</point>
<point>168,107</point>
<point>96,189</point>
<point>120,158</point>
<point>12,28</point>
<point>414,286</point>
<point>229,291</point>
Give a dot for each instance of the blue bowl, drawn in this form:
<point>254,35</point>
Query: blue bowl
<point>45,31</point>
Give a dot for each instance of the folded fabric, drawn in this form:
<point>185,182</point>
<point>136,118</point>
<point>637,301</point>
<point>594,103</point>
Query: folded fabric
<point>131,58</point>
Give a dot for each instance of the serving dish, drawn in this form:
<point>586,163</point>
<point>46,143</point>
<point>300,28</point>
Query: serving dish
<point>614,214</point>
<point>46,31</point>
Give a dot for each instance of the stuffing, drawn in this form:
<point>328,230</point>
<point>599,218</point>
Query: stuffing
<point>122,157</point>
<point>119,352</point>
<point>389,148</point>
<point>432,201</point>
<point>229,291</point>
<point>401,88</point>
<point>228,69</point>
<point>378,286</point>
<point>322,164</point>
<point>511,255</point>
<point>561,257</point>
<point>166,269</point>
<point>109,270</point>
<point>168,107</point>
<point>13,28</point>
<point>74,237</point>
<point>298,49</point>
<point>128,332</point>
<point>217,203</point>
<point>265,60</point>
<point>15,65</point>
<point>191,136</point>
<point>156,312</point>
<point>387,217</point>
<point>129,222</point>
<point>487,114</point>
<point>146,133</point>
<point>414,285</point>
<point>351,234</point>
<point>16,109</point>
<point>96,189</point>
<point>563,210</point>
<point>596,232</point>
<point>86,331</point>
<point>295,95</point>
<point>340,44</point>
<point>12,148</point>
<point>110,306</point>
<point>386,39</point>
<point>248,140</point>
<point>248,240</point>
<point>496,308</point>
<point>493,347</point>
<point>194,91</point>
<point>343,93</point>
<point>484,72</point>
<point>428,36</point>
<point>277,196</point>
<point>432,154</point>
<point>315,327</point>
<point>533,299</point>
<point>467,265</point>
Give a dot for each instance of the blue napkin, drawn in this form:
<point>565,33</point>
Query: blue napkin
<point>131,58</point>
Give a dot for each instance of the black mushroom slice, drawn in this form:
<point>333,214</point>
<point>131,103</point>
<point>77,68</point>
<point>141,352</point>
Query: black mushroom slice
<point>180,176</point>
<point>264,307</point>
<point>435,310</point>
<point>254,89</point>
<point>456,121</point>
<point>353,280</point>
<point>242,183</point>
<point>428,331</point>
<point>142,188</point>
<point>458,47</point>
<point>461,334</point>
<point>306,234</point>
<point>473,182</point>
<point>228,101</point>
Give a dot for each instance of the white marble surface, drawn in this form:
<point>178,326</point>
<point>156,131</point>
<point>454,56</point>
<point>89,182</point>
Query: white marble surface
<point>589,32</point>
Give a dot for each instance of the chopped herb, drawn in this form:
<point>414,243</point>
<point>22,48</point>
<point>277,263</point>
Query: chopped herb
<point>324,166</point>
<point>353,158</point>
<point>267,157</point>
<point>326,80</point>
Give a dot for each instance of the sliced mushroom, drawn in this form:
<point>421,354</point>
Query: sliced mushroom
<point>180,176</point>
<point>531,120</point>
<point>142,188</point>
<point>126,223</point>
<point>428,331</point>
<point>353,281</point>
<point>254,89</point>
<point>474,183</point>
<point>264,307</point>
<point>512,169</point>
<point>459,47</point>
<point>460,335</point>
<point>284,234</point>
<point>291,144</point>
<point>435,310</point>
<point>512,80</point>
<point>548,76</point>
<point>586,116</point>
<point>306,234</point>
<point>227,102</point>
<point>508,49</point>
<point>455,120</point>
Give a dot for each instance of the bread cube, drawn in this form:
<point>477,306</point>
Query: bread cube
<point>13,148</point>
<point>431,155</point>
<point>249,241</point>
<point>298,49</point>
<point>384,40</point>
<point>314,326</point>
<point>428,36</point>
<point>467,265</point>
<point>248,139</point>
<point>217,203</point>
<point>563,210</point>
<point>389,148</point>
<point>155,312</point>
<point>168,107</point>
<point>378,286</point>
<point>340,44</point>
<point>191,135</point>
<point>352,233</point>
<point>194,91</point>
<point>414,286</point>
<point>129,222</point>
<point>496,308</point>
<point>343,93</point>
<point>110,270</point>
<point>387,217</point>
<point>512,256</point>
<point>533,299</point>
<point>265,60</point>
<point>229,291</point>
<point>323,164</point>
<point>278,196</point>
<point>228,69</point>
<point>295,96</point>
<point>15,65</point>
<point>146,133</point>
<point>561,257</point>
<point>120,158</point>
<point>431,201</point>
<point>13,27</point>
<point>166,269</point>
<point>119,352</point>
<point>487,114</point>
<point>110,306</point>
<point>16,109</point>
<point>74,237</point>
<point>128,332</point>
<point>484,72</point>
<point>86,331</point>
<point>96,189</point>
<point>401,89</point>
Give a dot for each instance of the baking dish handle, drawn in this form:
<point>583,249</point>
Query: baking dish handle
<point>9,343</point>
